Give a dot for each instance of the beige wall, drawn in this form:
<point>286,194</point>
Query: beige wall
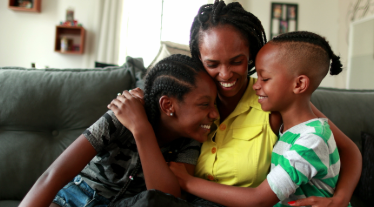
<point>29,37</point>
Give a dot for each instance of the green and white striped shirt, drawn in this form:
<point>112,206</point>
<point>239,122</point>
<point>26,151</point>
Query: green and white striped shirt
<point>305,162</point>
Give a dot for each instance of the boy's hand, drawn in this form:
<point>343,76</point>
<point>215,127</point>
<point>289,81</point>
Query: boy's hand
<point>180,171</point>
<point>315,201</point>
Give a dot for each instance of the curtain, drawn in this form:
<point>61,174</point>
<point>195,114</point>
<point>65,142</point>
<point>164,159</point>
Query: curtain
<point>109,31</point>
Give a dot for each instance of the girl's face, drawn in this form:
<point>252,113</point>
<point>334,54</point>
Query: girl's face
<point>196,113</point>
<point>225,55</point>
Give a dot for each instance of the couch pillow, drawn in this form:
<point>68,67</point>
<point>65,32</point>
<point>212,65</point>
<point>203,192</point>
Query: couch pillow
<point>365,188</point>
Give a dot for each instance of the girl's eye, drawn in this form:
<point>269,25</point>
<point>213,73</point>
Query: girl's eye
<point>211,66</point>
<point>237,62</point>
<point>265,79</point>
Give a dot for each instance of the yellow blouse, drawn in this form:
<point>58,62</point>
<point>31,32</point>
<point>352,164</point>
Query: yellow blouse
<point>240,154</point>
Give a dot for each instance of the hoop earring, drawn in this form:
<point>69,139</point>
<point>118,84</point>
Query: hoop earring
<point>250,62</point>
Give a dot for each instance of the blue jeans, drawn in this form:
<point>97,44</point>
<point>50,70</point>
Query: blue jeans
<point>78,194</point>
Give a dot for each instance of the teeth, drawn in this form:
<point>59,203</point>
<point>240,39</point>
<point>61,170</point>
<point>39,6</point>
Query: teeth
<point>261,97</point>
<point>205,126</point>
<point>227,85</point>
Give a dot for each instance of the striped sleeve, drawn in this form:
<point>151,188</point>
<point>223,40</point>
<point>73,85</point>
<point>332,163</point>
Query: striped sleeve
<point>305,159</point>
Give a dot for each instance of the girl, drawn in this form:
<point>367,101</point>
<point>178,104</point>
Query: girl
<point>120,155</point>
<point>226,39</point>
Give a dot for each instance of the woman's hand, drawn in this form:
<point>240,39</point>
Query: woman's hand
<point>315,201</point>
<point>129,110</point>
<point>180,171</point>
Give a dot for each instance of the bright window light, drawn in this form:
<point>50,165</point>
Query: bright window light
<point>141,26</point>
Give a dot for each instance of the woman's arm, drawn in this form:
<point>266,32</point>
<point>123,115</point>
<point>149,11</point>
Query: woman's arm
<point>224,194</point>
<point>350,172</point>
<point>62,170</point>
<point>130,112</point>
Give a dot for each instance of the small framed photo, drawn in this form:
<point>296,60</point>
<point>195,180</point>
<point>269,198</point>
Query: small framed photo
<point>69,15</point>
<point>284,18</point>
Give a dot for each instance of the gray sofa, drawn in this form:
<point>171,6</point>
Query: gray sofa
<point>43,111</point>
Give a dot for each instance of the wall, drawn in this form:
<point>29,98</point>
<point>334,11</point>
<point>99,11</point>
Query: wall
<point>29,37</point>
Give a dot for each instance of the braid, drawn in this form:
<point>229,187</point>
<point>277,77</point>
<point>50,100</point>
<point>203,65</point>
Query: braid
<point>212,15</point>
<point>173,76</point>
<point>317,40</point>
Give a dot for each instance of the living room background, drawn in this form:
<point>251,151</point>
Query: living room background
<point>29,37</point>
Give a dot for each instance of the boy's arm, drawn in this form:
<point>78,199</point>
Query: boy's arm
<point>351,164</point>
<point>224,194</point>
<point>62,170</point>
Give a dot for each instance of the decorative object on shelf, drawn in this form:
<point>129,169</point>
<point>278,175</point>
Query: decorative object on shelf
<point>70,21</point>
<point>25,5</point>
<point>69,39</point>
<point>284,18</point>
<point>69,14</point>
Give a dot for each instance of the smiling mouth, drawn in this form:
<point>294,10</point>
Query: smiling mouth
<point>228,85</point>
<point>261,97</point>
<point>205,126</point>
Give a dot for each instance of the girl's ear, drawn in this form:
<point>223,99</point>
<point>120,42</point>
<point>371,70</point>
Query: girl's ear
<point>166,105</point>
<point>301,84</point>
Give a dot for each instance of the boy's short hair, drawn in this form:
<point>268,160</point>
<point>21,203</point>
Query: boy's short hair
<point>307,53</point>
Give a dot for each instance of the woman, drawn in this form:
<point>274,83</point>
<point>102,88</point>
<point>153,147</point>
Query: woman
<point>226,39</point>
<point>119,155</point>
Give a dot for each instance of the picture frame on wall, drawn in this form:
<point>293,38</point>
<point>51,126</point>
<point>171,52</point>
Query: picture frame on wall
<point>284,18</point>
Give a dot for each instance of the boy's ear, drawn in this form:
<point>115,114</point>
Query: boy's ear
<point>301,84</point>
<point>166,105</point>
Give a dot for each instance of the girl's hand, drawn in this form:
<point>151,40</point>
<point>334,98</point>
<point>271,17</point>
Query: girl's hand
<point>315,201</point>
<point>130,111</point>
<point>138,93</point>
<point>180,171</point>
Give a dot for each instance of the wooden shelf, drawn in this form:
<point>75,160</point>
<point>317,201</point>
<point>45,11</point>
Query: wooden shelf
<point>75,34</point>
<point>13,4</point>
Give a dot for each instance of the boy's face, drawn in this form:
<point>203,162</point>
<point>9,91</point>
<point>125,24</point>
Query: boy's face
<point>275,83</point>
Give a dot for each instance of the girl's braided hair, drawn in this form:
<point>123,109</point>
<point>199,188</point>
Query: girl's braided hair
<point>212,15</point>
<point>314,39</point>
<point>173,76</point>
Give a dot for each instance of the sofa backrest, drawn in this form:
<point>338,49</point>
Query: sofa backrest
<point>43,111</point>
<point>352,111</point>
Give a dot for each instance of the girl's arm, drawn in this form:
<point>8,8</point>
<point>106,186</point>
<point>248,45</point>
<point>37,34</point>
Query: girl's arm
<point>224,194</point>
<point>62,171</point>
<point>130,112</point>
<point>350,170</point>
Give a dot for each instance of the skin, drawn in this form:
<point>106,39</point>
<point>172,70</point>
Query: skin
<point>221,45</point>
<point>129,110</point>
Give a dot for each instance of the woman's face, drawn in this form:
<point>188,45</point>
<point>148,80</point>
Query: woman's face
<point>225,55</point>
<point>196,113</point>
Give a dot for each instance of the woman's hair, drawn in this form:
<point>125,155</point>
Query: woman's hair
<point>212,15</point>
<point>173,76</point>
<point>316,40</point>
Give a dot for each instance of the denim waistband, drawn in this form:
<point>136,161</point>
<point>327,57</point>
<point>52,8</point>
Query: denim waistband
<point>78,180</point>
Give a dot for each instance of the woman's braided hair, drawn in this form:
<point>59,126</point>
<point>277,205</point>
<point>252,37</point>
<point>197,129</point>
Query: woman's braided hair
<point>315,39</point>
<point>212,15</point>
<point>173,76</point>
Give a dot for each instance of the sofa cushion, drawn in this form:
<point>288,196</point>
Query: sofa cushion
<point>352,111</point>
<point>365,188</point>
<point>43,111</point>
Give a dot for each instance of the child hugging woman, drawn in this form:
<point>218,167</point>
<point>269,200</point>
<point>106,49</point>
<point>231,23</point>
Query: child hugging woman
<point>126,151</point>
